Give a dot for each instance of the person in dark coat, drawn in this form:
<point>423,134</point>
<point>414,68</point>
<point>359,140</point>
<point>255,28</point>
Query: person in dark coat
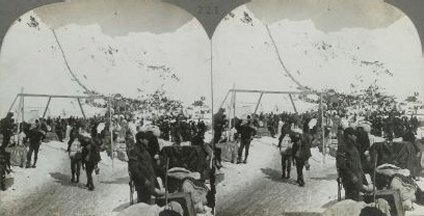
<point>218,127</point>
<point>414,156</point>
<point>348,162</point>
<point>59,129</point>
<point>218,124</point>
<point>6,125</point>
<point>154,151</point>
<point>129,142</point>
<point>142,173</point>
<point>301,153</point>
<point>271,125</point>
<point>246,135</point>
<point>91,157</point>
<point>153,146</point>
<point>363,145</point>
<point>35,135</point>
<point>414,124</point>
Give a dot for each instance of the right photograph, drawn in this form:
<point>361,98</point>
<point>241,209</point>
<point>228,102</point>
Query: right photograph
<point>318,110</point>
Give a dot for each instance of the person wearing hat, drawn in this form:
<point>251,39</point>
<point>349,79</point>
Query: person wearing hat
<point>6,125</point>
<point>35,135</point>
<point>142,173</point>
<point>75,159</point>
<point>154,150</point>
<point>285,145</point>
<point>363,145</point>
<point>246,134</point>
<point>90,158</point>
<point>219,121</point>
<point>301,153</point>
<point>348,163</point>
<point>72,136</point>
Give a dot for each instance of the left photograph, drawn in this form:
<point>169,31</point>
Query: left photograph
<point>106,109</point>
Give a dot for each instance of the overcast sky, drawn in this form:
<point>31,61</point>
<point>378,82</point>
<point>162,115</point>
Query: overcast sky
<point>133,47</point>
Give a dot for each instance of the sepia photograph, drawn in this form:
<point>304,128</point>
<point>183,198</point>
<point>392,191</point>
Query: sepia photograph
<point>211,107</point>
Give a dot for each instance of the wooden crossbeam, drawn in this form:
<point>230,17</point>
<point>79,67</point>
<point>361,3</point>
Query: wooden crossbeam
<point>271,92</point>
<point>57,96</point>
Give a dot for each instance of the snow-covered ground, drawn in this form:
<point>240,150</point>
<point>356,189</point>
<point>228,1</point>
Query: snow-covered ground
<point>256,188</point>
<point>47,189</point>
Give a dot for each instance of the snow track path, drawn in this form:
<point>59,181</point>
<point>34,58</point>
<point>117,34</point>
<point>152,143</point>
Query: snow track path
<point>256,188</point>
<point>47,189</point>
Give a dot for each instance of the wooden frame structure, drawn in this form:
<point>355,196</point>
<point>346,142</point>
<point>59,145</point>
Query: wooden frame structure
<point>261,93</point>
<point>22,96</point>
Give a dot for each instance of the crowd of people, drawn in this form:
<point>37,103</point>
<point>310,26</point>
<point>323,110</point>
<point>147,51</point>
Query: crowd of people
<point>87,138</point>
<point>277,124</point>
<point>178,128</point>
<point>298,133</point>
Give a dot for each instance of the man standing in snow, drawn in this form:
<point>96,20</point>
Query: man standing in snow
<point>301,153</point>
<point>271,124</point>
<point>91,157</point>
<point>363,145</point>
<point>75,157</point>
<point>142,173</point>
<point>72,136</point>
<point>348,162</point>
<point>35,135</point>
<point>59,129</point>
<point>285,145</point>
<point>218,124</point>
<point>218,127</point>
<point>246,132</point>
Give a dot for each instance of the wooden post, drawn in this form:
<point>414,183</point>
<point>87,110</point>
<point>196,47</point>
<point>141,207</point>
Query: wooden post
<point>213,157</point>
<point>47,107</point>
<point>234,103</point>
<point>231,108</point>
<point>18,121</point>
<point>259,102</point>
<point>230,111</point>
<point>13,103</point>
<point>322,129</point>
<point>23,105</point>
<point>294,105</point>
<point>110,129</point>
<point>212,101</point>
<point>82,110</point>
<point>225,98</point>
